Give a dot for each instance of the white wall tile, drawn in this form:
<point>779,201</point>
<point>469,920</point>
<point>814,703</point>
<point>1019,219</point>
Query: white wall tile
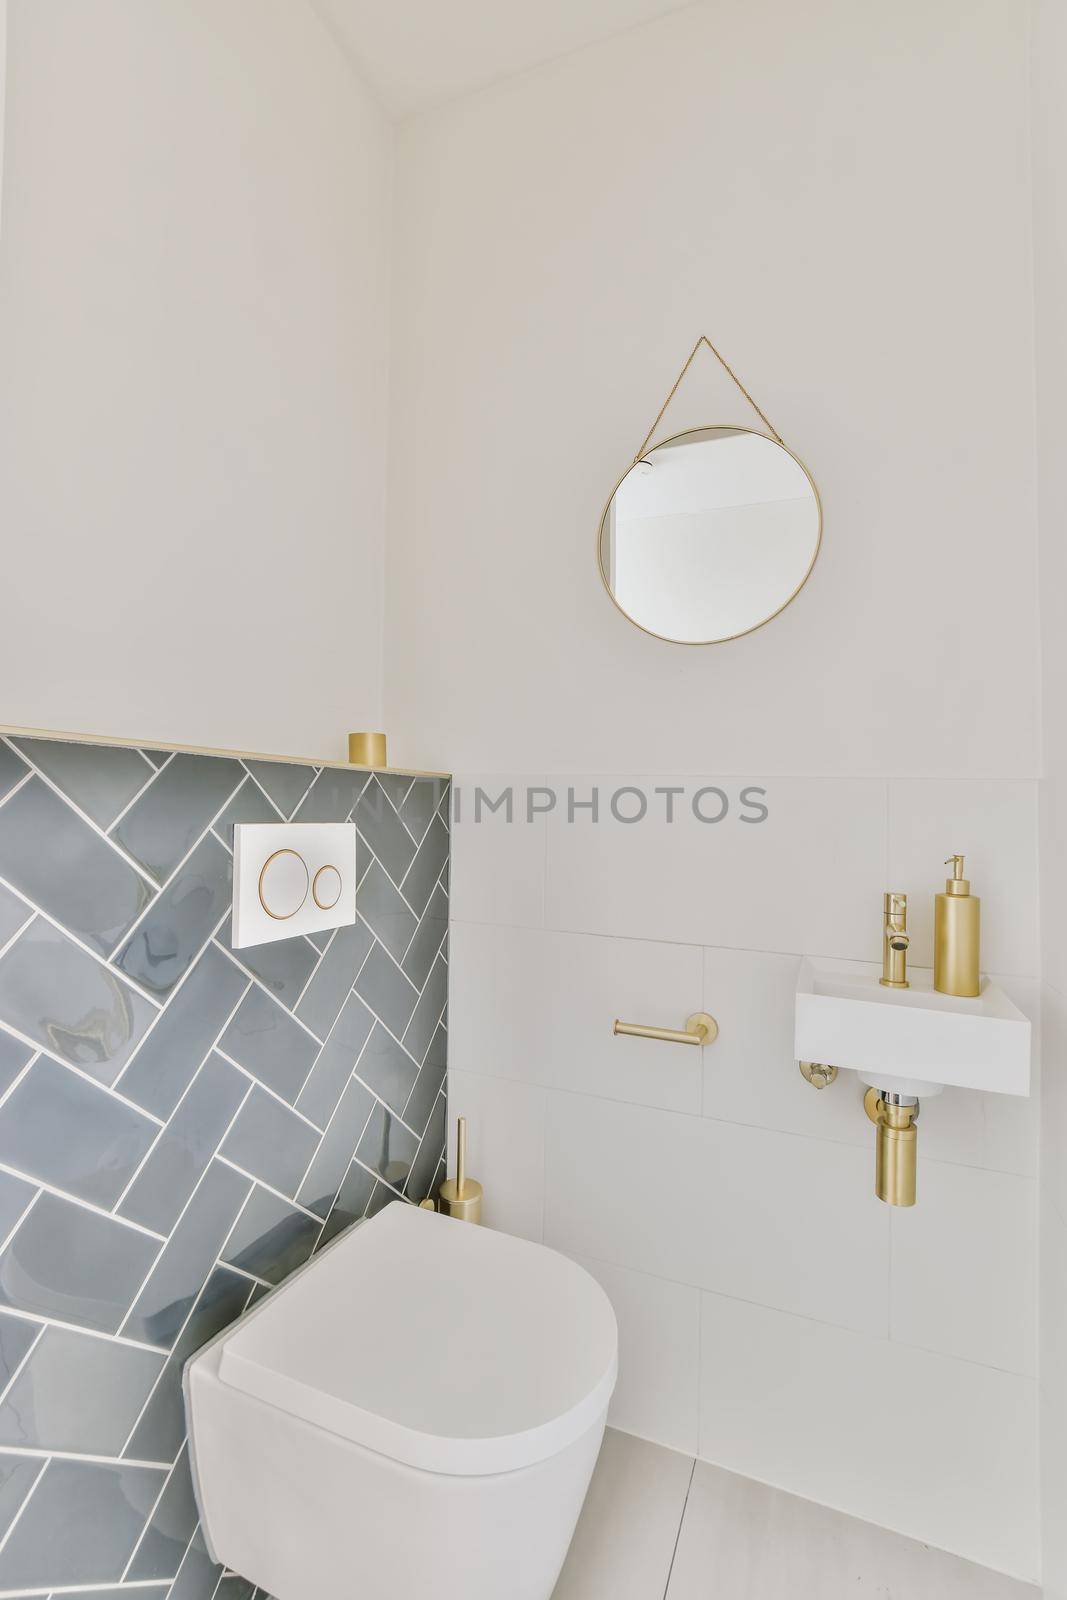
<point>505,1148</point>
<point>809,879</point>
<point>964,1271</point>
<point>750,1072</point>
<point>1053,1391</point>
<point>995,825</point>
<point>541,1005</point>
<point>498,865</point>
<point>658,1392</point>
<point>1054,1100</point>
<point>939,1449</point>
<point>771,1217</point>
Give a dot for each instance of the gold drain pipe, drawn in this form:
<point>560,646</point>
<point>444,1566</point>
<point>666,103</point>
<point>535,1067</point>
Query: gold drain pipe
<point>896,1141</point>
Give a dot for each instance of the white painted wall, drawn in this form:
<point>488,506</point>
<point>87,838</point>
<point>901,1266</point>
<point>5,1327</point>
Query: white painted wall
<point>1050,261</point>
<point>193,350</point>
<point>839,195</point>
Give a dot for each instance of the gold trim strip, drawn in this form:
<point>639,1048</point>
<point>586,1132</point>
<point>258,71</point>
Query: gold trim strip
<point>8,730</point>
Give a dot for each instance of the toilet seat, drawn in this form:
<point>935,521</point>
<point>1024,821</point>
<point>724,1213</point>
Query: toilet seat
<point>439,1344</point>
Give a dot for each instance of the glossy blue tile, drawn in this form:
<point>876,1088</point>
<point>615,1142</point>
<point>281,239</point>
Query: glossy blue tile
<point>387,1148</point>
<point>185,1146</point>
<point>18,1474</point>
<point>283,967</point>
<point>284,782</point>
<point>77,1394</point>
<point>101,779</point>
<point>385,989</point>
<point>331,797</point>
<point>335,1152</point>
<point>422,875</point>
<point>74,1265</point>
<point>271,1239</point>
<point>12,770</point>
<point>376,819</point>
<point>164,1066</point>
<point>13,911</point>
<point>385,911</point>
<point>63,1131</point>
<point>55,994</point>
<point>79,1526</point>
<point>271,1142</point>
<point>164,824</point>
<point>335,1063</point>
<point>388,1069</point>
<point>16,1336</point>
<point>177,926</point>
<point>164,1541</point>
<point>168,1297</point>
<point>332,983</point>
<point>266,1041</point>
<point>427,1013</point>
<point>162,1426</point>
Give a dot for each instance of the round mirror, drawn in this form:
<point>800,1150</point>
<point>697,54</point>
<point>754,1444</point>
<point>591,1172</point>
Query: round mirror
<point>710,535</point>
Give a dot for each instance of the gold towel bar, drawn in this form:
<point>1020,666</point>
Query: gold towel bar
<point>700,1028</point>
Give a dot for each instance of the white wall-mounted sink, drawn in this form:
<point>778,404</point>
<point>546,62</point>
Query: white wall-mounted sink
<point>914,1040</point>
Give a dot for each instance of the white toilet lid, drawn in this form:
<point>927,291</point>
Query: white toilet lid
<point>440,1344</point>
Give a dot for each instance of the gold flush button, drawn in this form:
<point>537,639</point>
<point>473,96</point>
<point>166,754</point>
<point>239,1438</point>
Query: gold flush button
<point>326,889</point>
<point>283,884</point>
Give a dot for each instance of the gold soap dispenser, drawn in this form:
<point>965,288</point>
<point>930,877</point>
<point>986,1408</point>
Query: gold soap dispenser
<point>957,924</point>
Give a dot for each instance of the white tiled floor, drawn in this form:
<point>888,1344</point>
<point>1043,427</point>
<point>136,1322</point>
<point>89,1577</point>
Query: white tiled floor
<point>659,1526</point>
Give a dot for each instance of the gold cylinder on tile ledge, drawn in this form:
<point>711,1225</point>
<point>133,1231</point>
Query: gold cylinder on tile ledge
<point>461,1197</point>
<point>367,750</point>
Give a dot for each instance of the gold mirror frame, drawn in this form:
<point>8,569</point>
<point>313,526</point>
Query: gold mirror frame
<point>709,427</point>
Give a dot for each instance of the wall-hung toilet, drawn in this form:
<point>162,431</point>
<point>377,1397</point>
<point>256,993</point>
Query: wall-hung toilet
<point>416,1412</point>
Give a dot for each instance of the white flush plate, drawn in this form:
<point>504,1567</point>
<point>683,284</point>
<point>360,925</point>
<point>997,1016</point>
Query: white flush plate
<point>291,878</point>
<point>846,1018</point>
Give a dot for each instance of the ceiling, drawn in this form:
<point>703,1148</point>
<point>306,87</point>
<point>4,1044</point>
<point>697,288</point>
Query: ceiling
<point>414,53</point>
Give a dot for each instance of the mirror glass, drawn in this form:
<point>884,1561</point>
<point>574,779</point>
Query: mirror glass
<point>709,535</point>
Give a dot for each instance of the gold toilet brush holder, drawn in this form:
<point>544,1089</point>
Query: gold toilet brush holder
<point>461,1196</point>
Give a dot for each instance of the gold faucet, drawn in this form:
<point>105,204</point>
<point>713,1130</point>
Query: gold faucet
<point>895,941</point>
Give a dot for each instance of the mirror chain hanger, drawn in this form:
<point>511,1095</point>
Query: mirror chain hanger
<point>677,384</point>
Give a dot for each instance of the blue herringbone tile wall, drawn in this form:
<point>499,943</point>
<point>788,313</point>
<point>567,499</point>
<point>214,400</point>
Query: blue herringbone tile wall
<point>182,1124</point>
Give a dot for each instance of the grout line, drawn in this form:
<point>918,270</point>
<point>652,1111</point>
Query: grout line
<point>260,1183</point>
<point>172,996</point>
<point>13,1085</point>
<point>77,1200</point>
<point>87,1588</point>
<point>242,1272</point>
<point>101,961</point>
<point>89,1333</point>
<point>21,784</point>
<point>681,1524</point>
<point>161,888</point>
<point>36,771</point>
<point>257,785</point>
<point>258,1083</point>
<point>19,931</point>
<point>233,956</point>
<point>333,1114</point>
<point>29,1496</point>
<point>29,1453</point>
<point>236,1007</point>
<point>155,772</point>
<point>34,1342</point>
<point>178,1219</point>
